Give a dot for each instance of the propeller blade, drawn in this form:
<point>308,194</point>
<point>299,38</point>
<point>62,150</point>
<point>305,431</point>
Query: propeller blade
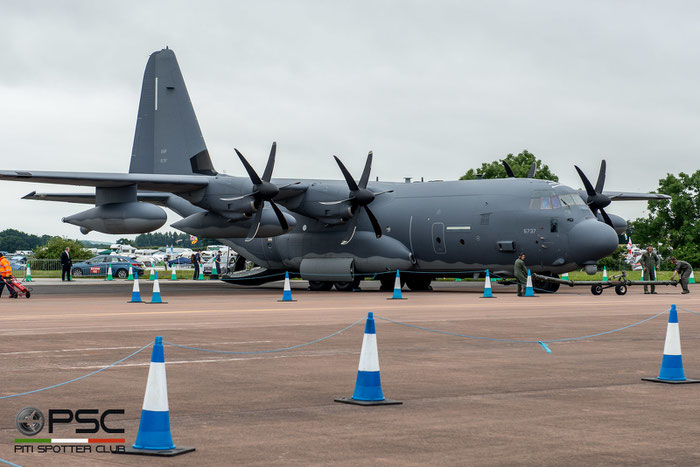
<point>375,223</point>
<point>365,173</point>
<point>255,226</point>
<point>280,217</point>
<point>509,171</point>
<point>606,218</point>
<point>334,203</point>
<point>251,172</point>
<point>533,169</point>
<point>352,228</point>
<point>348,178</point>
<point>237,197</point>
<point>601,178</point>
<point>267,175</point>
<point>589,188</point>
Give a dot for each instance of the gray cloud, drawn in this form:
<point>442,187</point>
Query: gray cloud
<point>434,88</point>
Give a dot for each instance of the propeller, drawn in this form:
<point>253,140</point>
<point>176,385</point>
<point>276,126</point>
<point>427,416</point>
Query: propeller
<point>596,200</point>
<point>263,191</point>
<point>510,174</point>
<point>359,198</point>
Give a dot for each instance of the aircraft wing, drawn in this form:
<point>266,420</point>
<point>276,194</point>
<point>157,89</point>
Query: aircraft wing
<point>152,182</point>
<point>89,198</point>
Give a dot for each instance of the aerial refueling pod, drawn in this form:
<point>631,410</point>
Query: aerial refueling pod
<point>211,225</point>
<point>119,218</point>
<point>117,211</point>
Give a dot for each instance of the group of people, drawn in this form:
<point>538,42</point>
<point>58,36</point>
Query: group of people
<point>649,262</point>
<point>196,260</point>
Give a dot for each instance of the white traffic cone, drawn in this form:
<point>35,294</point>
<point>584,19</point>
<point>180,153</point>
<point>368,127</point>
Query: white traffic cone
<point>487,286</point>
<point>672,362</point>
<point>152,277</point>
<point>156,298</point>
<point>173,275</point>
<point>605,274</point>
<point>28,276</point>
<point>529,290</point>
<point>368,387</point>
<point>287,293</point>
<point>691,279</point>
<point>131,274</point>
<point>154,437</point>
<point>136,291</point>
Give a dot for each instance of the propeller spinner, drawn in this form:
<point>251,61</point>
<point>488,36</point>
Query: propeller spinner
<point>359,198</point>
<point>596,199</point>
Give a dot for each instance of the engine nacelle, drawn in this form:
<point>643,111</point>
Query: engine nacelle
<point>120,218</point>
<point>619,224</point>
<point>212,225</point>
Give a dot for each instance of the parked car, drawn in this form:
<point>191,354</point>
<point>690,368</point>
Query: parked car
<point>99,265</point>
<point>181,261</point>
<point>225,266</point>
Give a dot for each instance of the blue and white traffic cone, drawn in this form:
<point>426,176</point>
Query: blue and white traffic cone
<point>368,387</point>
<point>154,437</point>
<point>287,293</point>
<point>487,286</point>
<point>156,298</point>
<point>605,274</point>
<point>397,288</point>
<point>672,362</point>
<point>136,291</point>
<point>529,291</point>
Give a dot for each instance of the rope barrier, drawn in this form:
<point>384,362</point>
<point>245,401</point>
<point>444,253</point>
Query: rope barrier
<point>688,311</point>
<point>80,377</point>
<point>543,343</point>
<point>269,350</point>
<point>9,463</point>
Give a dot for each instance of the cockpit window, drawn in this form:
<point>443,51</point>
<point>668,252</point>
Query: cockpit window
<point>546,199</point>
<point>571,200</point>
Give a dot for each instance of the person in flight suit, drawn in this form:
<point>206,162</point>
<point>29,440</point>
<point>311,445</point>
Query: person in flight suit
<point>649,262</point>
<point>520,272</point>
<point>682,270</point>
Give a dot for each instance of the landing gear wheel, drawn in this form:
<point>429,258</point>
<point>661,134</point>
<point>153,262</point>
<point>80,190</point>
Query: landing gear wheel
<point>320,286</point>
<point>417,283</point>
<point>621,289</point>
<point>347,286</point>
<point>596,289</point>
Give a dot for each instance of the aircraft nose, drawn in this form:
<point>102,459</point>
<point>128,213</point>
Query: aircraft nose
<point>591,240</point>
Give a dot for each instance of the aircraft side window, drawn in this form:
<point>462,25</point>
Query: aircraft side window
<point>534,203</point>
<point>555,202</point>
<point>545,203</point>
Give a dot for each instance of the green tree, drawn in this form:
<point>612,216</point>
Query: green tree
<point>675,223</point>
<point>12,240</point>
<point>125,241</point>
<point>55,246</point>
<point>520,165</point>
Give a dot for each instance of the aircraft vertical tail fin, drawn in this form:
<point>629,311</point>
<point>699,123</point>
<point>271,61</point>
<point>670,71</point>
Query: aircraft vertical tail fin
<point>168,139</point>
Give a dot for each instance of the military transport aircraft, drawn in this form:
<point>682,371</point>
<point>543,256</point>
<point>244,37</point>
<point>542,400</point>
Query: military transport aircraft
<point>329,231</point>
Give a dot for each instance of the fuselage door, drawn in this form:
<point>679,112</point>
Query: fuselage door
<point>438,232</point>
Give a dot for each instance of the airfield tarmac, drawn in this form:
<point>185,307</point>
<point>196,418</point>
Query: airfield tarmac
<point>466,402</point>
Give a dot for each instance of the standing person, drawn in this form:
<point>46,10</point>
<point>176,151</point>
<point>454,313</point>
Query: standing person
<point>66,264</point>
<point>520,272</point>
<point>649,262</point>
<point>6,274</point>
<point>682,270</point>
<point>217,261</point>
<point>195,263</point>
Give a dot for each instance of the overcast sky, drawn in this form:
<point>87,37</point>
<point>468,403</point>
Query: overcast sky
<point>432,87</point>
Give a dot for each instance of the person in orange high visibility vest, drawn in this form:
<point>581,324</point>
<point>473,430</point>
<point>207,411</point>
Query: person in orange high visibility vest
<point>5,274</point>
